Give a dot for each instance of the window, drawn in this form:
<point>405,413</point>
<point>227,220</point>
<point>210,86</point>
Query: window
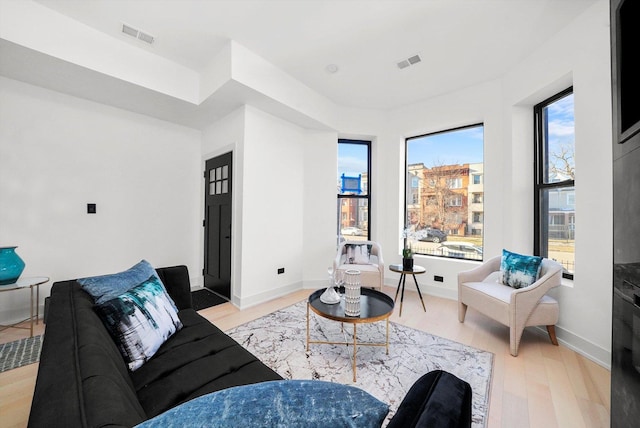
<point>449,165</point>
<point>415,188</point>
<point>455,200</point>
<point>454,183</point>
<point>554,194</point>
<point>354,187</point>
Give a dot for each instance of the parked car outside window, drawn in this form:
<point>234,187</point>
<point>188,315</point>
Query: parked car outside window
<point>353,231</point>
<point>432,235</point>
<point>463,250</point>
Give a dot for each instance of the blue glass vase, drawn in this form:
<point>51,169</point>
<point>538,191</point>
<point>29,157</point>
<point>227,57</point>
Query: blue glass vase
<point>11,265</point>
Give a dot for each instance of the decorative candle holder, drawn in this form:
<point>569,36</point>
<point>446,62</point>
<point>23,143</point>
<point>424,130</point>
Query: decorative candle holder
<point>352,293</point>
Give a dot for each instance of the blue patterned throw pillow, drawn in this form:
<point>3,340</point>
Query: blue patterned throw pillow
<point>517,270</point>
<point>107,287</point>
<point>280,403</point>
<point>140,321</point>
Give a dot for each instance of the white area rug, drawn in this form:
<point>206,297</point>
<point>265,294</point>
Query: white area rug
<point>279,340</point>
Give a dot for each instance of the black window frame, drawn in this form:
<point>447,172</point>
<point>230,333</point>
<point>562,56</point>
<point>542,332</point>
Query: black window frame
<point>367,196</point>
<point>407,185</point>
<point>541,222</point>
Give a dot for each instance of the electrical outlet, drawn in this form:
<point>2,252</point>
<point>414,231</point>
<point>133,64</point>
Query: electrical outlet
<point>280,270</point>
<point>438,278</point>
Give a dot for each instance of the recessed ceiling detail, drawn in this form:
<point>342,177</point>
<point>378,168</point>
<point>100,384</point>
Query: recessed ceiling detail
<point>302,38</point>
<point>138,34</point>
<point>412,60</point>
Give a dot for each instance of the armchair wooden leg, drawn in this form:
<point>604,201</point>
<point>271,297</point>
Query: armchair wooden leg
<point>551,329</point>
<point>462,311</point>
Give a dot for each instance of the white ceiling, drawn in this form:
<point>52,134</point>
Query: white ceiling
<point>461,42</point>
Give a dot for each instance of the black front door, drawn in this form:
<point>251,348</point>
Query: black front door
<point>217,225</point>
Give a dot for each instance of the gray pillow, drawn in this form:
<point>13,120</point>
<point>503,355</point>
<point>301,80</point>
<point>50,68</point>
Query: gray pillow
<point>107,287</point>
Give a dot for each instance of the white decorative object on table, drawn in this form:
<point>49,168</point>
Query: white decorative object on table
<point>352,293</point>
<point>330,296</point>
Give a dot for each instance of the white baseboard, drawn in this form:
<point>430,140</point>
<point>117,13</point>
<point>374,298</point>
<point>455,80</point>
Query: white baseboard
<point>18,315</point>
<point>587,349</point>
<point>256,299</point>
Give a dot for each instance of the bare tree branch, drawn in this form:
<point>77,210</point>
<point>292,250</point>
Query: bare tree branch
<point>562,161</point>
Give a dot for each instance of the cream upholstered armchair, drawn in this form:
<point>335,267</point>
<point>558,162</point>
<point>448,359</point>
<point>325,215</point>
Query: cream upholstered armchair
<point>481,289</point>
<point>371,268</point>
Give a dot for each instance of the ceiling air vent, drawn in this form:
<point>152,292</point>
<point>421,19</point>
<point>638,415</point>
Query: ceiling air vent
<point>138,34</point>
<point>409,61</point>
<point>414,59</point>
<point>129,30</point>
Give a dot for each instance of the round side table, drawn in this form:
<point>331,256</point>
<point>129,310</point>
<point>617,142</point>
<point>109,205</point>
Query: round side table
<point>403,278</point>
<point>374,306</point>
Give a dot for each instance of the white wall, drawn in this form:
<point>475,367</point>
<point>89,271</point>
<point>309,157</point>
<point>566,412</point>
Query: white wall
<point>479,104</point>
<point>320,205</point>
<point>284,197</point>
<point>579,55</point>
<point>504,106</point>
<point>272,207</point>
<point>283,202</point>
<point>269,199</point>
<point>58,153</point>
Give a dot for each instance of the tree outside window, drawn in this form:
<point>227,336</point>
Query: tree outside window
<point>555,190</point>
<point>449,165</point>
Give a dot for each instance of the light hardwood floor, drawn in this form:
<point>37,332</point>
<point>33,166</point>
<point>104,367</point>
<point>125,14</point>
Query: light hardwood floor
<point>545,386</point>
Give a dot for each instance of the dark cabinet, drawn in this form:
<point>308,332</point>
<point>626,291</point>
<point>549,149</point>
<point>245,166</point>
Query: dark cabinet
<point>625,72</point>
<point>625,347</point>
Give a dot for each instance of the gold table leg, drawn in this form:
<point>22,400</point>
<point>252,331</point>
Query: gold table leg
<point>37,303</point>
<point>387,336</point>
<point>307,326</point>
<point>355,345</point>
<point>31,317</point>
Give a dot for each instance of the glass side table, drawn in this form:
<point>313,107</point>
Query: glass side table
<point>21,284</point>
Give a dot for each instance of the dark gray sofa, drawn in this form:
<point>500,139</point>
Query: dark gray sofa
<point>83,380</point>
